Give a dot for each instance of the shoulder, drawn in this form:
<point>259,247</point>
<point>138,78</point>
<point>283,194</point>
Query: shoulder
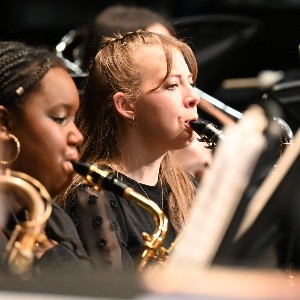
<point>87,196</point>
<point>86,204</point>
<point>60,224</point>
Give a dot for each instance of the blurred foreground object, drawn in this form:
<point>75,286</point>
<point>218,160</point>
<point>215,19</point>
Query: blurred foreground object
<point>224,183</point>
<point>223,283</point>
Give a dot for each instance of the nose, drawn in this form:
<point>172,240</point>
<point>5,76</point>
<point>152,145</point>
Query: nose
<point>75,137</point>
<point>192,98</point>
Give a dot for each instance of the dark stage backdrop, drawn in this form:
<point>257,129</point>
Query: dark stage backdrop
<point>45,22</point>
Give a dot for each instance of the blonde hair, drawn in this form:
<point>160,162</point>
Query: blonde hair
<point>114,70</point>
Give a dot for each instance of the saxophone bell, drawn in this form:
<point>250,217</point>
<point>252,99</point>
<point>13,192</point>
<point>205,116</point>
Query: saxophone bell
<point>19,252</point>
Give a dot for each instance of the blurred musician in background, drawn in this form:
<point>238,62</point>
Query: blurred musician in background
<point>120,18</point>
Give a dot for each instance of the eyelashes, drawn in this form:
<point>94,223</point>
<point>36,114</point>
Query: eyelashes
<point>60,120</point>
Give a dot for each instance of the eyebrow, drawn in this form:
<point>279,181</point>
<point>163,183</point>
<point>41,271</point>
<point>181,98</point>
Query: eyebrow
<point>65,106</point>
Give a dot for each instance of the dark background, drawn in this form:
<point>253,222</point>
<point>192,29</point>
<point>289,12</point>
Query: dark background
<point>46,21</point>
<point>274,46</point>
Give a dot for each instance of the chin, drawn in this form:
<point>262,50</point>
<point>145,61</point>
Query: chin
<point>61,188</point>
<point>182,145</point>
<point>190,140</point>
<point>183,141</point>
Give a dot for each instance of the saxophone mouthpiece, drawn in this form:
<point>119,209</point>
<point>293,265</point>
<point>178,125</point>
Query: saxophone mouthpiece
<point>81,168</point>
<point>198,126</point>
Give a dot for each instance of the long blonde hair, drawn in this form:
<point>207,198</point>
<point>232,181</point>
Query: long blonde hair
<point>114,70</point>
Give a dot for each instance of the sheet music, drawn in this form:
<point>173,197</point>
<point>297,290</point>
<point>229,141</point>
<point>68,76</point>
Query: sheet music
<point>220,191</point>
<point>268,187</point>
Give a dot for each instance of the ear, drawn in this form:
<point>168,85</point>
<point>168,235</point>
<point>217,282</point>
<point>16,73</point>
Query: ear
<point>123,106</point>
<point>4,123</point>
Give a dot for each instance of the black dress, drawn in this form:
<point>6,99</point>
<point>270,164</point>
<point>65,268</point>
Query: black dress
<point>66,257</point>
<point>111,226</point>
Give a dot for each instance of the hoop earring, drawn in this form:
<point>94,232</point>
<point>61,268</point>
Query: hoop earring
<point>15,139</point>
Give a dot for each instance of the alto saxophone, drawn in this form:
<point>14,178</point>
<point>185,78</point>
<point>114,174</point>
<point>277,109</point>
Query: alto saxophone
<point>153,249</point>
<point>19,252</point>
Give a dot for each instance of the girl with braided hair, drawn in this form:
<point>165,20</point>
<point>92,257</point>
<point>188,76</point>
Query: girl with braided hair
<point>38,137</point>
<point>137,105</point>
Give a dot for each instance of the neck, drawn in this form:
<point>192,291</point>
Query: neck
<point>139,171</point>
<point>141,157</point>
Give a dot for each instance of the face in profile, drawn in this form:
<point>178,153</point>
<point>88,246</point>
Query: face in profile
<point>164,113</point>
<point>47,133</point>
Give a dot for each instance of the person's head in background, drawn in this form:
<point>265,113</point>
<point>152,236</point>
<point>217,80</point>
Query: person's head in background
<point>121,19</point>
<point>38,102</point>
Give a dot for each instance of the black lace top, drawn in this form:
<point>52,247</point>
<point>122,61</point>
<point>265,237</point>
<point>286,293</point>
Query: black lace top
<point>111,226</point>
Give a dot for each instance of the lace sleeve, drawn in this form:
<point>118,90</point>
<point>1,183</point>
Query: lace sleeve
<point>97,225</point>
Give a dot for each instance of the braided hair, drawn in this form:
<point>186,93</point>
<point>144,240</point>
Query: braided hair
<point>22,67</point>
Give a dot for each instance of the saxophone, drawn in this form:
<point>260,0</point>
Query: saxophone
<point>153,249</point>
<point>19,252</point>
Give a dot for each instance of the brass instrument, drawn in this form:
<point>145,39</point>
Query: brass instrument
<point>153,249</point>
<point>19,254</point>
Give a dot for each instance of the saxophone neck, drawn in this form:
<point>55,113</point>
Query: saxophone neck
<point>106,180</point>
